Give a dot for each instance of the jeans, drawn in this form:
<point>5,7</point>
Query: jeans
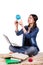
<point>29,50</point>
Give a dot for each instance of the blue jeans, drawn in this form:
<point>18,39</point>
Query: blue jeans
<point>29,50</point>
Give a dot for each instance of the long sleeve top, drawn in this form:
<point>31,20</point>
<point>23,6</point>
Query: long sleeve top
<point>29,39</point>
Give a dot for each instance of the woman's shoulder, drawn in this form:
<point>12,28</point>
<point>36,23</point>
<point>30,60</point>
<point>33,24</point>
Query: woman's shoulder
<point>37,28</point>
<point>34,29</point>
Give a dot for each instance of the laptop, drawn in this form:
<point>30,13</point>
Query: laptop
<point>18,42</point>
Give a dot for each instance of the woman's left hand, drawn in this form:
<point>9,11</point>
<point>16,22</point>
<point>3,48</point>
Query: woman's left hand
<point>20,23</point>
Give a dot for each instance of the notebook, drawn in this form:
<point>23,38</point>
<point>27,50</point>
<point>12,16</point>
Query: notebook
<point>19,56</point>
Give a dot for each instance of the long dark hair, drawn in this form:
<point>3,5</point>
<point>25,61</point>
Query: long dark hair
<point>35,17</point>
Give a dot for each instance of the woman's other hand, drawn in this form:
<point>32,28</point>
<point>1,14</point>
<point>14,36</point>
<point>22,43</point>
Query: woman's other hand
<point>16,25</point>
<point>20,23</point>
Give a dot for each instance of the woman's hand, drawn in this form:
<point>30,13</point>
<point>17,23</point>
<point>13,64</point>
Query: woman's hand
<point>16,25</point>
<point>20,23</point>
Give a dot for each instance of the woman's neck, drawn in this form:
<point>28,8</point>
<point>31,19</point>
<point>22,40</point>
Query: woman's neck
<point>31,25</point>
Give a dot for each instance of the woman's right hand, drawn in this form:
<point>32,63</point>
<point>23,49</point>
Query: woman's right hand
<point>16,23</point>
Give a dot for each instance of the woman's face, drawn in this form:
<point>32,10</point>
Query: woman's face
<point>30,19</point>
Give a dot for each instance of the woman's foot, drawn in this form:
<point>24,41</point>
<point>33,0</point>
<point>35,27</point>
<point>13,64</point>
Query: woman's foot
<point>11,52</point>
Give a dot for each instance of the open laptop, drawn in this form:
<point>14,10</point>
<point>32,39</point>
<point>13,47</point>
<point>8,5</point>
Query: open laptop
<point>13,44</point>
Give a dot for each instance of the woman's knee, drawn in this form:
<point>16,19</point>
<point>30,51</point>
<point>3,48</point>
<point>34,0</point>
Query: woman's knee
<point>35,51</point>
<point>32,51</point>
<point>11,48</point>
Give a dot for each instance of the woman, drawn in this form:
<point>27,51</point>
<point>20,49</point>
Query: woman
<point>29,32</point>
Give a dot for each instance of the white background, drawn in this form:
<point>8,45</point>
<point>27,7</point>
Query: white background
<point>8,11</point>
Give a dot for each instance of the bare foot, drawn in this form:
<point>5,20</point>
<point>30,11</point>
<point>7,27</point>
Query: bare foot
<point>11,52</point>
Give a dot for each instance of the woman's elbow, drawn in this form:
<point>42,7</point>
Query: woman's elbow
<point>17,34</point>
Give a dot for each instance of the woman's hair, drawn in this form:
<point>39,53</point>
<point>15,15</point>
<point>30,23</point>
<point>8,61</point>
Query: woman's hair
<point>35,17</point>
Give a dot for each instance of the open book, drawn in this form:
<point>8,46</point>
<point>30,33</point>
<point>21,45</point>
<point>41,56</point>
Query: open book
<point>13,44</point>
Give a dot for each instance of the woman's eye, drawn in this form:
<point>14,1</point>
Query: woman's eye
<point>29,17</point>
